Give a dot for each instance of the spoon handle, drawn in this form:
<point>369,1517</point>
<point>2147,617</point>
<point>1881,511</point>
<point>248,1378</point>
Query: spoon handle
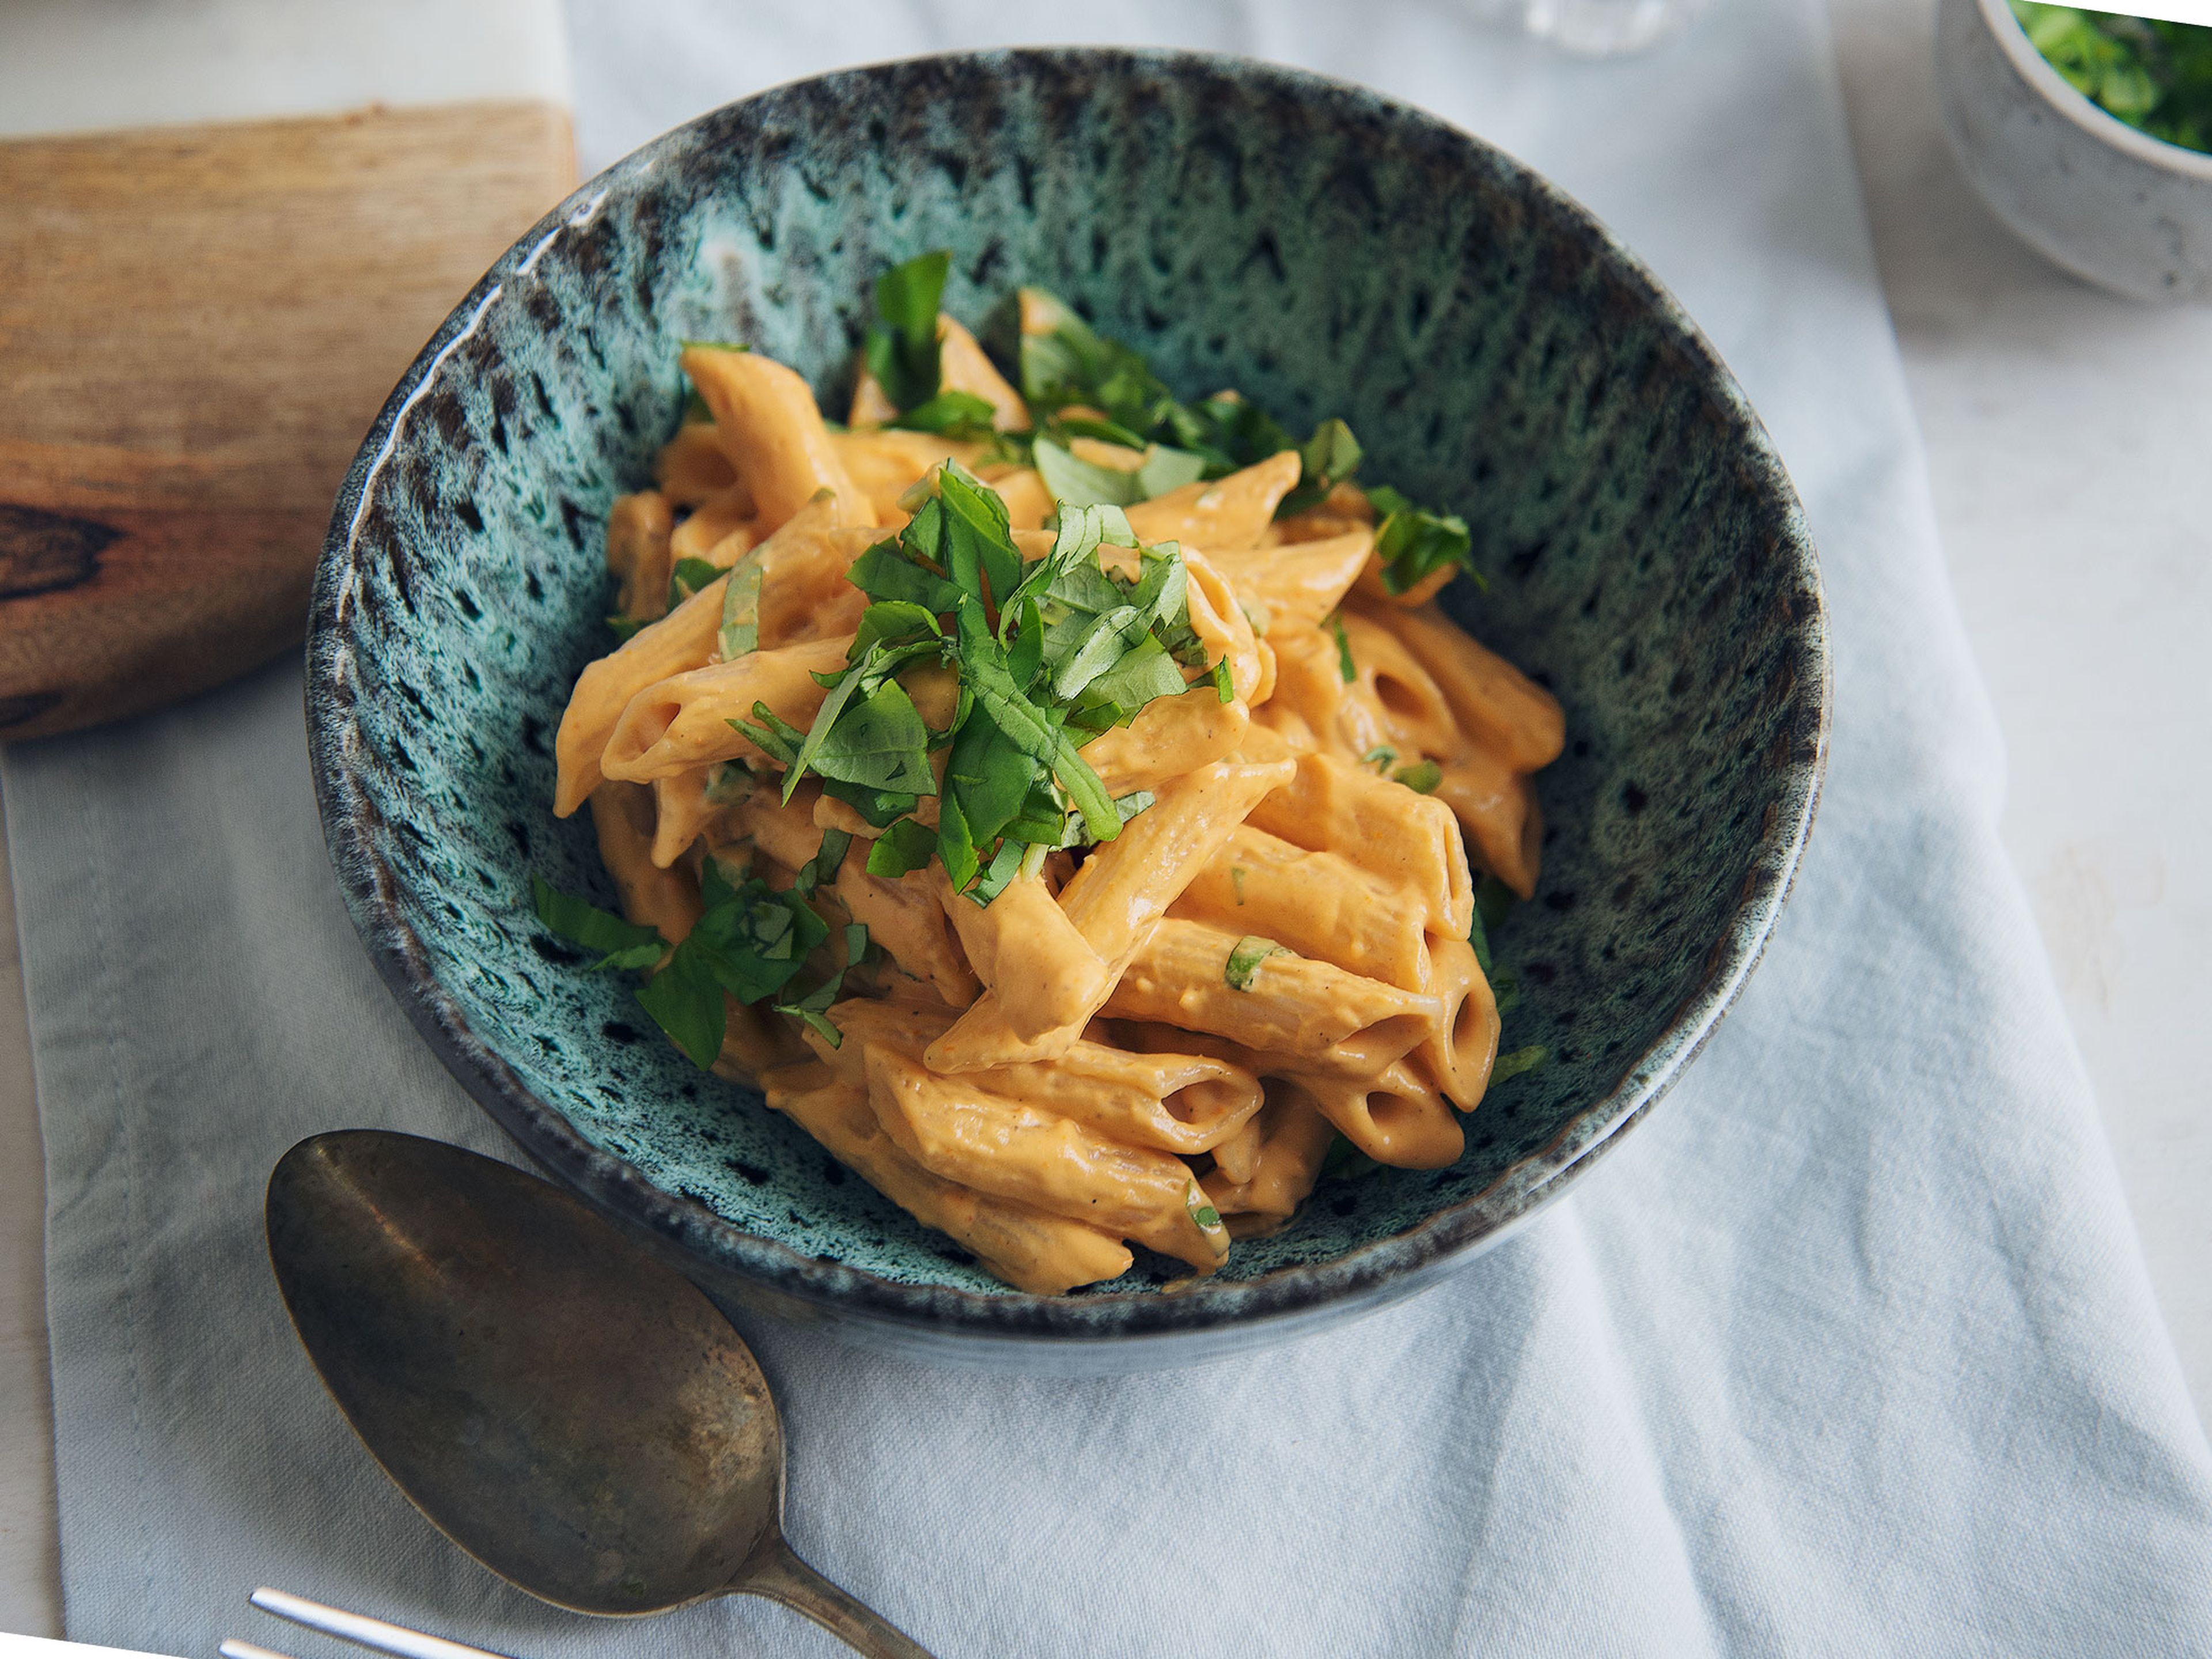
<point>776,1572</point>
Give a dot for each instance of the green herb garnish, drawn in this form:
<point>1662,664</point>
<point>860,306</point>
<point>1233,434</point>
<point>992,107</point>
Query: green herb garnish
<point>1380,758</point>
<point>1520,1060</point>
<point>1047,655</point>
<point>623,944</point>
<point>1201,1211</point>
<point>1422,777</point>
<point>1412,544</point>
<point>1243,965</point>
<point>741,602</point>
<point>625,628</point>
<point>749,943</point>
<point>689,576</point>
<point>949,415</point>
<point>1347,668</point>
<point>901,348</point>
<point>2153,75</point>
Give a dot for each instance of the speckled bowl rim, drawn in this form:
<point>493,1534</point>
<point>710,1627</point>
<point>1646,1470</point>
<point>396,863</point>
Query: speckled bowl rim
<point>2077,106</point>
<point>1360,1280</point>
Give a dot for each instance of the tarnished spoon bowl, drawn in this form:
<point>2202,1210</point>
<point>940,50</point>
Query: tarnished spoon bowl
<point>558,1401</point>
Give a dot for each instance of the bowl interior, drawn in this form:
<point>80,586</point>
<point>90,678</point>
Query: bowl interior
<point>1323,250</point>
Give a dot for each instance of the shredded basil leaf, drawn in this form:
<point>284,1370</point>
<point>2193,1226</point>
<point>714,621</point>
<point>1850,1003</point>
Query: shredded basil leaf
<point>1520,1060</point>
<point>904,847</point>
<point>1344,666</point>
<point>1244,964</point>
<point>741,601</point>
<point>949,414</point>
<point>822,867</point>
<point>1422,777</point>
<point>901,348</point>
<point>625,628</point>
<point>623,944</point>
<point>689,576</point>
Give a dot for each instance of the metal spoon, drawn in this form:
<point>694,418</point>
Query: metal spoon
<point>560,1403</point>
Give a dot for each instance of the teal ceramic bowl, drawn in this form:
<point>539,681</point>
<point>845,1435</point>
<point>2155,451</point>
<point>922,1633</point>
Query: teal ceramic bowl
<point>1325,249</point>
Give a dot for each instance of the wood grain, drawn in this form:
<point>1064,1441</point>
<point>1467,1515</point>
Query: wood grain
<point>197,326</point>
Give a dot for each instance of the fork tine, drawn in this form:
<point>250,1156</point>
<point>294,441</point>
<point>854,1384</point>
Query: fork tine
<point>357,1628</point>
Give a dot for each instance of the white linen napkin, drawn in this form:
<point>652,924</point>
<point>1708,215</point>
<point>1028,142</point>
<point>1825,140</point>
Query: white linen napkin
<point>1847,1351</point>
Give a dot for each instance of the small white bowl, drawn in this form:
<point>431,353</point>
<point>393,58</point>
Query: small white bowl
<point>2089,193</point>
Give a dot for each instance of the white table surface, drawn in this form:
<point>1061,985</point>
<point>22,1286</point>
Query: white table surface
<point>2070,448</point>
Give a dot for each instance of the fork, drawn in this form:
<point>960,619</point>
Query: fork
<point>356,1627</point>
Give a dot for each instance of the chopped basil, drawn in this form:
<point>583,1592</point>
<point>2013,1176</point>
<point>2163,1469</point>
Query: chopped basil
<point>1520,1060</point>
<point>1072,649</point>
<point>741,602</point>
<point>822,867</point>
<point>774,736</point>
<point>1201,1211</point>
<point>1422,777</point>
<point>625,628</point>
<point>623,944</point>
<point>1079,483</point>
<point>949,414</point>
<point>689,576</point>
<point>904,847</point>
<point>1244,960</point>
<point>813,1008</point>
<point>1345,667</point>
<point>1380,758</point>
<point>900,347</point>
<point>1236,880</point>
<point>1325,461</point>
<point>1412,544</point>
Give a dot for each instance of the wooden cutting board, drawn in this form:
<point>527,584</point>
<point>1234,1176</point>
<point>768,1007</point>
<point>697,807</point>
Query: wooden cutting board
<point>197,326</point>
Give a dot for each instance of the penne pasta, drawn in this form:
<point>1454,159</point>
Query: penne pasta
<point>1058,978</point>
<point>904,917</point>
<point>681,641</point>
<point>1054,991</point>
<point>1294,1137</point>
<point>1115,899</point>
<point>684,722</point>
<point>1393,690</point>
<point>1031,1250</point>
<point>1494,703</point>
<point>622,813</point>
<point>720,528</point>
<point>883,466</point>
<point>1297,587</point>
<point>1008,1148</point>
<point>638,531</point>
<point>1225,516</point>
<point>1409,839</point>
<point>691,465</point>
<point>1497,807</point>
<point>1454,1059</point>
<point>1172,738</point>
<point>773,434</point>
<point>1392,1115</point>
<point>1304,1014</point>
<point>1320,904</point>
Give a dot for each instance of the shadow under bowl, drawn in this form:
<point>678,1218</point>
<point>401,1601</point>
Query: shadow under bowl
<point>1325,250</point>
